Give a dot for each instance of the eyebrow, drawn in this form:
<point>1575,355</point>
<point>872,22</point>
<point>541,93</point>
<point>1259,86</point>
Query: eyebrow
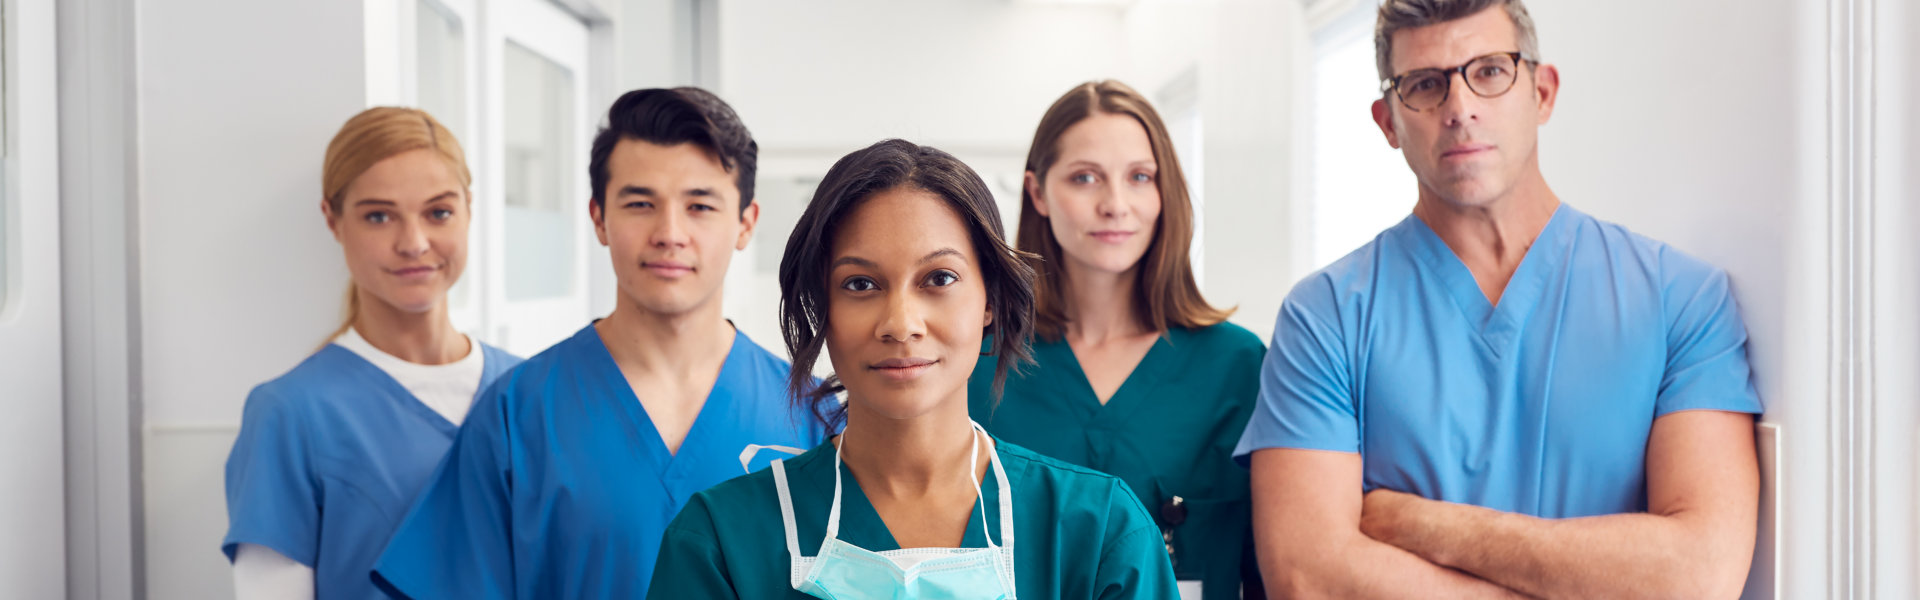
<point>1087,163</point>
<point>637,190</point>
<point>861,262</point>
<point>384,202</point>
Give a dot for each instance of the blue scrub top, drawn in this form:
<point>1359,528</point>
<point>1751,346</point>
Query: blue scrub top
<point>559,485</point>
<point>1541,405</point>
<point>329,458</point>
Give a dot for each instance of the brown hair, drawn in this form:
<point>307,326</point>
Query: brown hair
<point>374,135</point>
<point>878,168</point>
<point>1165,294</point>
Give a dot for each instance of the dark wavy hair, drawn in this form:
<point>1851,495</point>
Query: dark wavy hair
<point>885,166</point>
<point>675,116</point>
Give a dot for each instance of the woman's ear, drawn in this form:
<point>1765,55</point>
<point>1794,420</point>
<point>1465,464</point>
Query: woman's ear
<point>1032,183</point>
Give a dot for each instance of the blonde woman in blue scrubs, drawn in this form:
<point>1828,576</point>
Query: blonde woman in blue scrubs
<point>898,270</point>
<point>1135,375</point>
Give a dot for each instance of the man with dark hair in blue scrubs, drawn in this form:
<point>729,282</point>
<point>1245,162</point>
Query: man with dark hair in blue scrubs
<point>565,476</point>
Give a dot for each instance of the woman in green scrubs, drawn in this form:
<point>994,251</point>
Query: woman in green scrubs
<point>1135,375</point>
<point>898,269</point>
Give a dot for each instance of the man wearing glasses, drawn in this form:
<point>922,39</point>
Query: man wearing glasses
<point>1500,396</point>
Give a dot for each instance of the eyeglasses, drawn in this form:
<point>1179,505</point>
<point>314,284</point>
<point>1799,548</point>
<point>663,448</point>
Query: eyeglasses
<point>1488,76</point>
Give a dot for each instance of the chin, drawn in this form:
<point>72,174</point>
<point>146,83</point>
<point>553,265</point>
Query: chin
<point>899,405</point>
<point>665,302</point>
<point>413,306</point>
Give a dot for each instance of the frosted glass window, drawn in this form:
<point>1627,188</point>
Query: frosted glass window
<point>440,61</point>
<point>539,147</point>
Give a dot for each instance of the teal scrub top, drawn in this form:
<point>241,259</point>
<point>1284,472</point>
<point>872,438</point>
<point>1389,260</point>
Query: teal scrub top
<point>1169,430</point>
<point>1081,533</point>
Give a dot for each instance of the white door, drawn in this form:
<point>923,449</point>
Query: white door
<point>32,518</point>
<point>537,232</point>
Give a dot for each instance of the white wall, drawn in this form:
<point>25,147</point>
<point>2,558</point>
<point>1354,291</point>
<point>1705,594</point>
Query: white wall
<point>1896,383</point>
<point>1708,131</point>
<point>237,101</point>
<point>1250,58</point>
<point>32,534</point>
<point>817,80</point>
<point>814,81</point>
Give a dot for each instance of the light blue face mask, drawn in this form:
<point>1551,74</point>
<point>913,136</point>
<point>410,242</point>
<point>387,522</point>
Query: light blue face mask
<point>843,571</point>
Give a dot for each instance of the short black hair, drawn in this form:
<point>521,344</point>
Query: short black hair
<point>675,116</point>
<point>889,165</point>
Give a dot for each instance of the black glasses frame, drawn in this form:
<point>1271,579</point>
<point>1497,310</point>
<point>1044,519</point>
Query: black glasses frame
<point>1392,84</point>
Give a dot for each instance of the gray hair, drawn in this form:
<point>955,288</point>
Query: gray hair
<point>1396,15</point>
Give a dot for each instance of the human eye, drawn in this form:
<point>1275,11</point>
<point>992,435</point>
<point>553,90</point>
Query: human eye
<point>942,278</point>
<point>859,283</point>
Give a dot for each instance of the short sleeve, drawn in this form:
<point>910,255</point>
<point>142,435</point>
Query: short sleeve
<point>273,493</point>
<point>1133,562</point>
<point>1706,366</point>
<point>690,564</point>
<point>1306,398</point>
<point>457,540</point>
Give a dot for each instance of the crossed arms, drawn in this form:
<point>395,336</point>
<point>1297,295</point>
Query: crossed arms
<point>1319,537</point>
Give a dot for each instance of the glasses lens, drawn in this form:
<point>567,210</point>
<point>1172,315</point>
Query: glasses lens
<point>1421,90</point>
<point>1492,75</point>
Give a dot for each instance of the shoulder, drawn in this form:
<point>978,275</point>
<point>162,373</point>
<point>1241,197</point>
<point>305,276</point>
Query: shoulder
<point>1062,479</point>
<point>499,359</point>
<point>1674,270</point>
<point>753,493</point>
<point>762,362</point>
<point>1353,278</point>
<point>310,385</point>
<point>1081,499</point>
<point>1228,338</point>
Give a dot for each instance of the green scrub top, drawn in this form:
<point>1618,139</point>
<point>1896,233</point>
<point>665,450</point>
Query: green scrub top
<point>1080,534</point>
<point>1169,431</point>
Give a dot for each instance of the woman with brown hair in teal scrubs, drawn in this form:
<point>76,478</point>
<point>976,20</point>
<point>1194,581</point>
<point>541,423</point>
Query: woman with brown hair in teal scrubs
<point>1135,375</point>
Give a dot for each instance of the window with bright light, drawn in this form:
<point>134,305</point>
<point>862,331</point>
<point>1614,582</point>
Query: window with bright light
<point>1361,185</point>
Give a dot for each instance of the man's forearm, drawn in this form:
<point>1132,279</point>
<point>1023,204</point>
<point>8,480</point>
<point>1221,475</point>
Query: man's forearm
<point>1361,567</point>
<point>1615,556</point>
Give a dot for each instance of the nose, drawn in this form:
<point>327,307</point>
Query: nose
<point>1462,104</point>
<point>903,321</point>
<point>670,230</point>
<point>1109,202</point>
<point>412,240</point>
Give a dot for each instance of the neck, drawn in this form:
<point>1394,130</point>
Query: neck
<point>651,342</point>
<point>912,457</point>
<point>1101,305</point>
<point>1496,233</point>
<point>426,338</point>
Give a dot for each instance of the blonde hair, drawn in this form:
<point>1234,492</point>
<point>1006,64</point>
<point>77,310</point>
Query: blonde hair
<point>374,135</point>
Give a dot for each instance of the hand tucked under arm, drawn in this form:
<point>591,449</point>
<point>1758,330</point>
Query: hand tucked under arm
<point>1695,541</point>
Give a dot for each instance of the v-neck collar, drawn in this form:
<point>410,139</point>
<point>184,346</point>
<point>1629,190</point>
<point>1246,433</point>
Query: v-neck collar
<point>1499,325</point>
<point>1128,398</point>
<point>667,466</point>
<point>858,514</point>
<point>385,381</point>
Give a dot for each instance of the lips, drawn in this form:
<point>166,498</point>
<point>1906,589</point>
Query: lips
<point>1111,237</point>
<point>417,272</point>
<point>667,268</point>
<point>1465,150</point>
<point>902,369</point>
